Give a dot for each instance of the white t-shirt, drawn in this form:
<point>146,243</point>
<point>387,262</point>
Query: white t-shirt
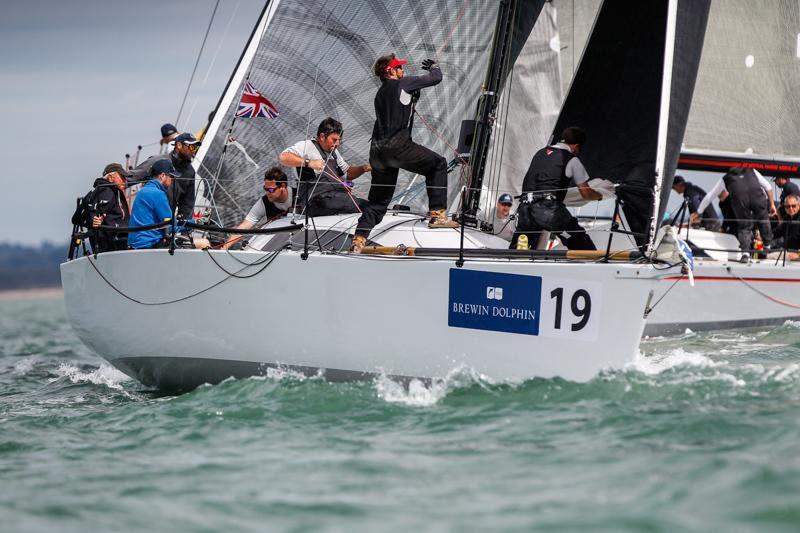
<point>308,150</point>
<point>575,168</point>
<point>259,211</point>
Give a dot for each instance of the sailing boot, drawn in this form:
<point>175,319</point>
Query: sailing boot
<point>439,219</point>
<point>358,243</point>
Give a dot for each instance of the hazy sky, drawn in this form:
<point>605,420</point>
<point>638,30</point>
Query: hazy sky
<point>82,82</point>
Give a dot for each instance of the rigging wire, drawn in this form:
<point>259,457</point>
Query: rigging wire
<point>197,62</point>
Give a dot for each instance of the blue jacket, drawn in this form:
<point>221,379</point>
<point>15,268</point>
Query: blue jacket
<point>150,207</point>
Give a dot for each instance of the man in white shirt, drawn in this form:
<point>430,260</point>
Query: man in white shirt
<point>323,173</point>
<point>275,203</point>
<point>751,200</point>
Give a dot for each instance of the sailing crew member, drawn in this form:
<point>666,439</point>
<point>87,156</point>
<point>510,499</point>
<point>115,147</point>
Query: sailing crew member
<point>751,201</point>
<point>186,146</point>
<point>106,205</point>
<point>693,195</point>
<point>787,234</point>
<point>152,207</point>
<point>392,148</point>
<point>544,188</point>
<point>503,222</point>
<point>275,203</point>
<point>168,134</point>
<point>323,172</point>
<point>787,187</point>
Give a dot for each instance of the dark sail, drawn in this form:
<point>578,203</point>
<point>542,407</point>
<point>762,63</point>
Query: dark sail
<point>616,96</point>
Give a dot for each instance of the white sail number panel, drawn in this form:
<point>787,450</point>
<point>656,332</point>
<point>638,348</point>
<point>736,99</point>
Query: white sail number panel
<point>527,305</point>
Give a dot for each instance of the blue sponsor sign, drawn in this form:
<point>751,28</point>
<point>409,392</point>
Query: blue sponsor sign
<point>495,302</point>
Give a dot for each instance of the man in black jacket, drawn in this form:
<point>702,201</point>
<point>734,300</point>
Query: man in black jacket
<point>787,234</point>
<point>693,195</point>
<point>393,149</point>
<point>544,188</point>
<point>186,147</point>
<point>106,205</point>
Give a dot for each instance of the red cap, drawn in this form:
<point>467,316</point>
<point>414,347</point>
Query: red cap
<point>396,63</point>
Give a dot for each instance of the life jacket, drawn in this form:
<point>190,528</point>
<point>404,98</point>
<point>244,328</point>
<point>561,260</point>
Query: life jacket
<point>742,183</point>
<point>547,172</point>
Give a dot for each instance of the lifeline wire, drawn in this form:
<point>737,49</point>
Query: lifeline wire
<point>198,293</point>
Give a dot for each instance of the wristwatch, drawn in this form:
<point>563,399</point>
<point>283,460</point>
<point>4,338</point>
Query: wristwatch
<point>306,161</point>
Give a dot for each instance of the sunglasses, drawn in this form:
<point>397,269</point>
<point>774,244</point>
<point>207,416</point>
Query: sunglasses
<point>271,189</point>
<point>792,206</point>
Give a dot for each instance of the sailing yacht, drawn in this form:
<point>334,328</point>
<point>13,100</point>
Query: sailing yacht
<point>423,301</point>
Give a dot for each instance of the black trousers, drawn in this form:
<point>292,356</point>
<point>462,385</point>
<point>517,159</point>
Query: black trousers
<point>553,216</point>
<point>386,159</point>
<point>335,204</point>
<point>751,210</point>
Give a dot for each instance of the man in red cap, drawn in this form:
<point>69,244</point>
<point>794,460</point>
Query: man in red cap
<point>393,149</point>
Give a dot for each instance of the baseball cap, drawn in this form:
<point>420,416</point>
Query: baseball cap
<point>396,63</point>
<point>115,167</point>
<point>168,129</point>
<point>187,138</point>
<point>505,198</point>
<point>164,166</point>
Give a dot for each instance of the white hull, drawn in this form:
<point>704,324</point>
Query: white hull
<point>726,295</point>
<point>351,317</point>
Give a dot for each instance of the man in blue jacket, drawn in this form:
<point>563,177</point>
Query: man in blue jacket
<point>152,207</point>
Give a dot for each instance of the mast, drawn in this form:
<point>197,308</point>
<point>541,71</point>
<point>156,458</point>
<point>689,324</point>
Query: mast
<point>663,121</point>
<point>487,106</point>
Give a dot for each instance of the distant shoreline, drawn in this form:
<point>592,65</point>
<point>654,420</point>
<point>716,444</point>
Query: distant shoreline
<point>41,293</point>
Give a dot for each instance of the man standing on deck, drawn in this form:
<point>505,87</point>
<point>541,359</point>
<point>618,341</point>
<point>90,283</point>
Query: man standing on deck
<point>693,195</point>
<point>181,157</point>
<point>392,148</point>
<point>751,200</point>
<point>543,191</point>
<point>323,172</point>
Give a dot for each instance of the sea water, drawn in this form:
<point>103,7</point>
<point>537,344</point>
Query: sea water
<point>700,433</point>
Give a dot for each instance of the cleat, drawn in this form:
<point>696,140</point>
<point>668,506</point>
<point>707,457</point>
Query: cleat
<point>439,219</point>
<point>358,244</point>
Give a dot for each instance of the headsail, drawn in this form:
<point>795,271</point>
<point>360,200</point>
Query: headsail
<point>633,100</point>
<point>746,104</point>
<point>313,59</point>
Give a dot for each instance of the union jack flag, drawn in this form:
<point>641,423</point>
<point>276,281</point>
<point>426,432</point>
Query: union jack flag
<point>254,104</point>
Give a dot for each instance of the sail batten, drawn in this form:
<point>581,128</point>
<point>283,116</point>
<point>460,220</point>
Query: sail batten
<point>314,59</point>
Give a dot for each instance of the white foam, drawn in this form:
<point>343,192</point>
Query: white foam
<point>417,394</point>
<point>677,357</point>
<point>104,375</point>
<point>23,366</point>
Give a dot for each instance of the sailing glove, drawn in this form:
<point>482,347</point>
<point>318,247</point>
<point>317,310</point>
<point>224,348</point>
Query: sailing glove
<point>428,64</point>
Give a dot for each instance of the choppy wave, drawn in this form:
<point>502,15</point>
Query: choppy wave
<point>702,425</point>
